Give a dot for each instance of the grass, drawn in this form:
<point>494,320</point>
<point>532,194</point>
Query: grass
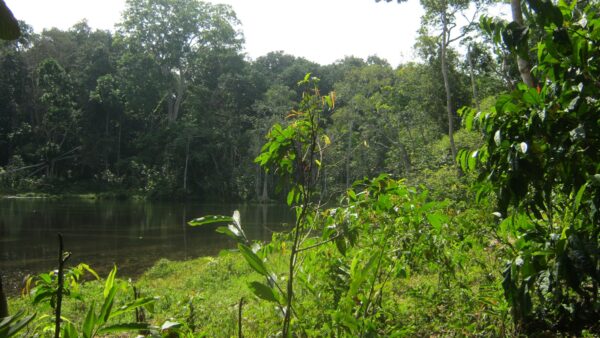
<point>204,294</point>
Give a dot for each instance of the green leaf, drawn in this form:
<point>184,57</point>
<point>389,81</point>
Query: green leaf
<point>579,196</point>
<point>90,270</point>
<point>132,306</point>
<point>462,159</point>
<point>360,275</point>
<point>167,325</point>
<point>68,330</point>
<point>41,295</point>
<point>473,160</point>
<point>290,196</point>
<point>45,278</point>
<point>263,291</point>
<point>468,116</point>
<point>107,306</point>
<point>225,231</point>
<point>253,260</point>
<point>110,281</point>
<point>352,195</point>
<point>11,325</point>
<point>210,219</point>
<point>436,220</point>
<point>90,321</point>
<point>340,244</point>
<point>124,327</point>
<point>305,80</point>
<point>469,121</point>
<point>531,97</point>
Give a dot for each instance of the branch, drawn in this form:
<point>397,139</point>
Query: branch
<point>320,243</point>
<point>22,168</point>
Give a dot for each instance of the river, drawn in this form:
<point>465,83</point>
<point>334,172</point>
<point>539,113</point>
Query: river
<point>131,234</point>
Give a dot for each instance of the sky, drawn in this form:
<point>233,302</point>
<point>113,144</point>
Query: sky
<point>322,31</point>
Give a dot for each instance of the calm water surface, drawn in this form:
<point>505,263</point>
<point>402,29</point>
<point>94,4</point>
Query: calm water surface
<point>131,234</point>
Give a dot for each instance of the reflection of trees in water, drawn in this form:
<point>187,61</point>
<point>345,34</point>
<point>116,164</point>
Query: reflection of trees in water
<point>184,228</point>
<point>132,234</point>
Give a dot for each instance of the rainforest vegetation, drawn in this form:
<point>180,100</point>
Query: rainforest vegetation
<point>455,195</point>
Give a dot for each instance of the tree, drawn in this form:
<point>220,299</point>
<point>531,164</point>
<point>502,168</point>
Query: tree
<point>441,16</point>
<point>15,92</point>
<point>174,33</point>
<point>360,122</point>
<point>57,116</point>
<point>276,103</point>
<point>522,58</point>
<point>103,122</point>
<point>541,160</point>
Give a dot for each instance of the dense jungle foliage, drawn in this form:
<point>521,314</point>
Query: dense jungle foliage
<point>168,105</point>
<point>406,224</point>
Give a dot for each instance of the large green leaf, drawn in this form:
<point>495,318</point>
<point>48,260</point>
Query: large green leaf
<point>90,321</point>
<point>132,306</point>
<point>107,305</point>
<point>11,325</point>
<point>210,219</point>
<point>263,291</point>
<point>69,330</point>
<point>110,281</point>
<point>253,260</point>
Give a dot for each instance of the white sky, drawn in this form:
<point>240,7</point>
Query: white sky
<point>320,30</point>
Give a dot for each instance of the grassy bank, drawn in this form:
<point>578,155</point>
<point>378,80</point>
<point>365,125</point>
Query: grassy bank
<point>389,262</point>
<point>203,295</point>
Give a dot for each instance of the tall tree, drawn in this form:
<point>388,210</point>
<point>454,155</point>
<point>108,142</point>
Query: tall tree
<point>522,58</point>
<point>57,116</point>
<point>440,15</point>
<point>174,33</point>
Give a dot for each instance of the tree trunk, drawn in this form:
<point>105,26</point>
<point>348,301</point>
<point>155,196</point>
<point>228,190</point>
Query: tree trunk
<point>3,302</point>
<point>473,84</point>
<point>257,182</point>
<point>265,192</point>
<point>522,63</point>
<point>177,99</point>
<point>106,150</point>
<point>348,153</point>
<point>119,149</point>
<point>444,64</point>
<point>405,159</point>
<point>323,182</point>
<point>187,159</point>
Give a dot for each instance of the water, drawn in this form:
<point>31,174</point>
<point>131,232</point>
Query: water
<point>131,234</point>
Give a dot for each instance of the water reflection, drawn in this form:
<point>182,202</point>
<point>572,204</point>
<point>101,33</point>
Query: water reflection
<point>131,234</point>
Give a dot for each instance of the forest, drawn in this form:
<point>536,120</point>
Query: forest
<point>161,112</point>
<point>455,195</point>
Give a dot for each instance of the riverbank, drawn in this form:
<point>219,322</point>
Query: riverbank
<point>204,294</point>
<point>81,196</point>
